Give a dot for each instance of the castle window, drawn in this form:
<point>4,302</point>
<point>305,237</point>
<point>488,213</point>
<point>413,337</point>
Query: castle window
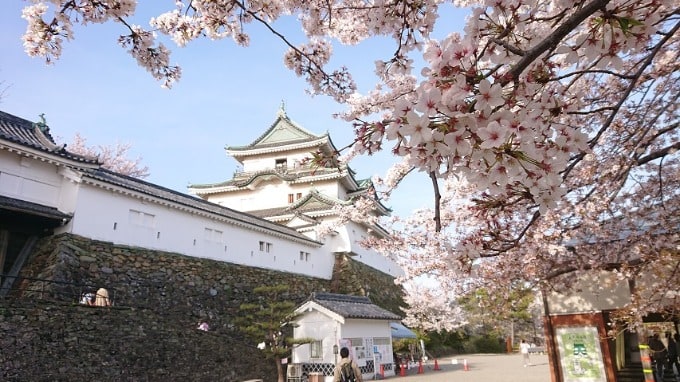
<point>299,195</point>
<point>140,218</point>
<point>304,256</point>
<point>213,235</point>
<point>290,198</point>
<point>315,349</point>
<point>281,164</point>
<point>265,246</point>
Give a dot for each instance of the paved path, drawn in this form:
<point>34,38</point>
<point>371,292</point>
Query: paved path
<point>482,368</point>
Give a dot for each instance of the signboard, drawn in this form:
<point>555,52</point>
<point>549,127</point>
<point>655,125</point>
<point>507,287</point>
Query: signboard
<point>357,353</point>
<point>580,354</point>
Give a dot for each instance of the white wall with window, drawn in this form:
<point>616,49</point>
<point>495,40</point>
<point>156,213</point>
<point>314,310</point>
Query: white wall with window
<point>124,217</point>
<point>369,340</point>
<point>323,331</point>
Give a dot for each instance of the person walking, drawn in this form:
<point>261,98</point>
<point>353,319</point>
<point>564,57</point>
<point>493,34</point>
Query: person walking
<point>524,350</point>
<point>659,356</point>
<point>346,370</point>
<point>673,355</point>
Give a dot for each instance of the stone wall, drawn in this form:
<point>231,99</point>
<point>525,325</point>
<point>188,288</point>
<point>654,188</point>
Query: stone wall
<point>149,334</point>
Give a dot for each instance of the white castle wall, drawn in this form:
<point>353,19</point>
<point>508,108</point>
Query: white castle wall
<point>126,219</point>
<point>29,179</point>
<point>270,193</point>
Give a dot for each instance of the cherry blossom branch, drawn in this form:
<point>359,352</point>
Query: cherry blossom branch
<point>437,202</point>
<point>631,85</point>
<point>556,36</point>
<point>287,42</point>
<point>659,153</point>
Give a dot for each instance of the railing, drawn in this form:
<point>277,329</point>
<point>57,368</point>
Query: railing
<point>135,293</point>
<point>299,170</point>
<point>327,368</point>
<point>44,289</point>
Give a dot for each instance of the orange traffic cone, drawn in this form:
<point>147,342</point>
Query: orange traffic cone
<point>465,365</point>
<point>436,365</point>
<point>420,367</point>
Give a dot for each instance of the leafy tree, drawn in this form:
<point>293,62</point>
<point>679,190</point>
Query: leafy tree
<point>268,322</point>
<point>548,128</point>
<point>493,313</point>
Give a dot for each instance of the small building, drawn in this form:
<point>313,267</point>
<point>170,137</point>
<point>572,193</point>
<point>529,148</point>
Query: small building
<point>335,321</point>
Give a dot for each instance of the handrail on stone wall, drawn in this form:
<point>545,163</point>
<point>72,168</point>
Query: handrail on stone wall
<point>38,288</point>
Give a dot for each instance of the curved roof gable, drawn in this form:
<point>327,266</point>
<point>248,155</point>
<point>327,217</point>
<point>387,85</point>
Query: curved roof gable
<point>281,133</point>
<point>36,136</point>
<point>352,306</point>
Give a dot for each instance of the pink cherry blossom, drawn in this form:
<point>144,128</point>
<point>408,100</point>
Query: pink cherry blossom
<point>548,129</point>
<point>489,95</point>
<point>492,135</point>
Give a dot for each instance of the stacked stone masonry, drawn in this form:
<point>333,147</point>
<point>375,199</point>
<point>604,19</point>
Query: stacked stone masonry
<point>149,334</point>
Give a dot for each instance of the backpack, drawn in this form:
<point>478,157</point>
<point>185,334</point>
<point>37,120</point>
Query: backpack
<point>347,373</point>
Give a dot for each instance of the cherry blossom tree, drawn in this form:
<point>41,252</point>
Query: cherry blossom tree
<point>431,310</point>
<point>112,157</point>
<point>549,129</point>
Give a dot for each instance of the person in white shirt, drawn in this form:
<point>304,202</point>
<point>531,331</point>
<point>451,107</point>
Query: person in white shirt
<point>524,350</point>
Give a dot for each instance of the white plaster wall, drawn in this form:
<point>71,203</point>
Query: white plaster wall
<point>29,179</point>
<point>360,328</point>
<point>368,330</point>
<point>251,164</point>
<point>314,324</point>
<point>272,194</point>
<point>106,215</point>
<point>263,162</point>
<point>68,194</point>
<point>318,326</point>
<point>354,234</point>
<point>269,193</point>
<point>346,239</point>
<point>325,187</point>
<point>594,292</point>
<point>342,193</point>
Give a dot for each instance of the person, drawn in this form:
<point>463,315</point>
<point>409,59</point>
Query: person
<point>524,350</point>
<point>87,298</point>
<point>659,356</point>
<point>673,355</point>
<point>102,298</point>
<point>344,359</point>
<point>203,326</point>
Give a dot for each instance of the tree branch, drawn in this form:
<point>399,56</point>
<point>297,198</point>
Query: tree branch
<point>556,36</point>
<point>659,153</point>
<point>437,202</point>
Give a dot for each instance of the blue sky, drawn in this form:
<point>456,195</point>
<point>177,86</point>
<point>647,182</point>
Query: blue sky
<point>228,95</point>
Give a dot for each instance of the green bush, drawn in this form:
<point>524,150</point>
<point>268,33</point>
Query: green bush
<point>484,344</point>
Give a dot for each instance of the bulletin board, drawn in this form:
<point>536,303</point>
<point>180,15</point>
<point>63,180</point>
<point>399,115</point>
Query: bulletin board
<point>580,354</point>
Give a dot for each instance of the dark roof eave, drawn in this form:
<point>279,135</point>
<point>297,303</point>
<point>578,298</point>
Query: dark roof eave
<point>23,206</point>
